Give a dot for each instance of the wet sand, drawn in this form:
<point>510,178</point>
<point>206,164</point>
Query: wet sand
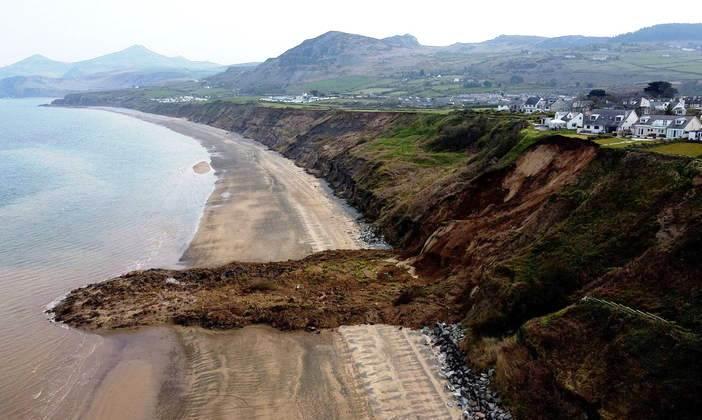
<point>131,388</point>
<point>264,208</point>
<point>259,372</point>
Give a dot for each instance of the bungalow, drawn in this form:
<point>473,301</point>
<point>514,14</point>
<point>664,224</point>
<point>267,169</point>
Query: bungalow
<point>565,120</point>
<point>679,108</point>
<point>666,126</point>
<point>602,121</point>
<point>695,135</point>
<point>533,104</point>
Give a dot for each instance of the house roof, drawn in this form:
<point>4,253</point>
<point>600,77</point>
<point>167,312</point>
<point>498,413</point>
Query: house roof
<point>607,116</point>
<point>676,121</point>
<point>566,115</point>
<point>582,102</point>
<point>533,100</point>
<point>660,104</point>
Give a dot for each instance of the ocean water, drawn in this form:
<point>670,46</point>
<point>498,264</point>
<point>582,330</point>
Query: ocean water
<point>84,195</point>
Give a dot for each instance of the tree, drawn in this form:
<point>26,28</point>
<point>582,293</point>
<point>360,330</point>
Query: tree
<point>487,84</point>
<point>516,80</point>
<point>661,89</point>
<point>597,93</point>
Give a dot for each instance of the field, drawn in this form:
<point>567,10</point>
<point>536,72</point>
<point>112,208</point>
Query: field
<point>679,149</point>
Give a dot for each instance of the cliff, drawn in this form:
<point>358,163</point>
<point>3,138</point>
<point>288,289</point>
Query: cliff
<point>575,269</point>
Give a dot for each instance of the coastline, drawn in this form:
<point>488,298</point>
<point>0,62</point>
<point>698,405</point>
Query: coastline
<point>263,209</point>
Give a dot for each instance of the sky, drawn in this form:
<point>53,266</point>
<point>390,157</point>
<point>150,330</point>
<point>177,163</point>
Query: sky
<point>229,32</point>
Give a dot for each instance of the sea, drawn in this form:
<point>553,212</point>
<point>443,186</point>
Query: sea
<point>85,195</point>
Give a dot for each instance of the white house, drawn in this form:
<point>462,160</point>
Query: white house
<point>602,121</point>
<point>666,126</point>
<point>695,135</point>
<point>682,126</point>
<point>649,106</point>
<point>679,108</point>
<point>533,104</point>
<point>565,120</point>
<point>645,105</point>
<point>574,120</point>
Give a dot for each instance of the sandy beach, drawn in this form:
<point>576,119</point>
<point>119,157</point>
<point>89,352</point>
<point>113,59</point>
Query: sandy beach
<point>264,208</point>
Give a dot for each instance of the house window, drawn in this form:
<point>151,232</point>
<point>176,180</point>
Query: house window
<point>597,127</point>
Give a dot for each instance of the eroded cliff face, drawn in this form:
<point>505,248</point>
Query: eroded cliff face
<point>577,270</point>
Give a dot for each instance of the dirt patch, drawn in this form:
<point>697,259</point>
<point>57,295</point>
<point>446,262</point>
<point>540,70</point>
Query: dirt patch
<point>558,163</point>
<point>324,290</point>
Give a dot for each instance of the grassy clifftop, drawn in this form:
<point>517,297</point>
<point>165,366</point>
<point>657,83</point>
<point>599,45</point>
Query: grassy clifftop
<point>509,230</point>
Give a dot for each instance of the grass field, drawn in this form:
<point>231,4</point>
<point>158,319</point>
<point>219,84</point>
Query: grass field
<point>679,149</point>
<point>624,143</point>
<point>408,149</point>
<point>341,84</point>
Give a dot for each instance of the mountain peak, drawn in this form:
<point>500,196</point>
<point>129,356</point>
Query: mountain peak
<point>406,40</point>
<point>137,49</point>
<point>36,59</point>
<point>34,65</point>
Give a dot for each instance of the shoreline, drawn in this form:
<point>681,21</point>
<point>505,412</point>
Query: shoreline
<point>263,207</point>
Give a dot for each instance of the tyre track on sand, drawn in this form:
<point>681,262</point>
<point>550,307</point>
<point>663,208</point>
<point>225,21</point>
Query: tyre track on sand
<point>397,373</point>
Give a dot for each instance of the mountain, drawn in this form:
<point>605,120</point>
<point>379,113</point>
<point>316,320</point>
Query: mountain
<point>338,62</point>
<point>664,33</point>
<point>36,65</point>
<point>331,55</point>
<point>136,57</point>
<point>136,65</point>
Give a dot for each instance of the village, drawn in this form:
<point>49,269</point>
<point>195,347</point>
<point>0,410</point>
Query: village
<point>634,117</point>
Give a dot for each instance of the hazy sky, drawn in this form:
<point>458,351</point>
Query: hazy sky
<point>239,31</point>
